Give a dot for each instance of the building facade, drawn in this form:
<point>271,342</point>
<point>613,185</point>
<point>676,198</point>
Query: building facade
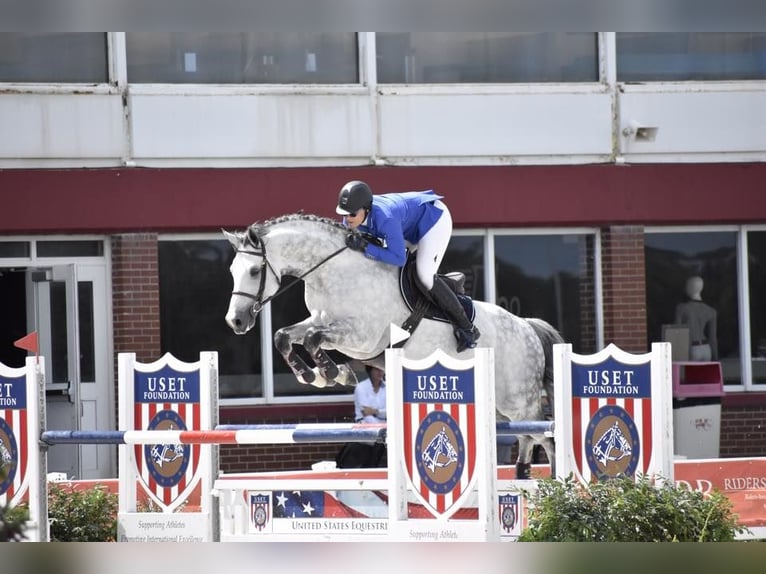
<point>588,175</point>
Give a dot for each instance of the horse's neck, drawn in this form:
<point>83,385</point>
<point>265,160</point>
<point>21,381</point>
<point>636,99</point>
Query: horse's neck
<point>300,247</point>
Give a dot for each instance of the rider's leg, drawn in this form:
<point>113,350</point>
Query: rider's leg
<point>428,257</point>
<point>465,332</point>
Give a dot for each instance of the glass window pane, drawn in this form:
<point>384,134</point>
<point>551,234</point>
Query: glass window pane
<point>59,333</point>
<point>75,57</point>
<point>13,310</point>
<point>550,277</point>
<point>242,58</point>
<point>465,253</point>
<point>689,56</point>
<point>671,258</point>
<point>70,248</point>
<point>86,330</point>
<point>195,287</point>
<point>14,249</point>
<point>486,57</point>
<point>756,249</point>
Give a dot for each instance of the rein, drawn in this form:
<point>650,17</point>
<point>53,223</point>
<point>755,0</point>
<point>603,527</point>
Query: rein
<point>258,297</point>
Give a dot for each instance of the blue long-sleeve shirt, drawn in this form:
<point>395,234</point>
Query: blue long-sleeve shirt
<point>396,218</point>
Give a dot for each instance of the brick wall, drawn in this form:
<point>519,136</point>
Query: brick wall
<point>622,252</point>
<point>136,296</point>
<point>743,425</point>
<point>252,458</point>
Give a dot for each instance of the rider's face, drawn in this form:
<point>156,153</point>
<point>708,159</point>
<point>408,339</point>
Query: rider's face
<point>355,220</point>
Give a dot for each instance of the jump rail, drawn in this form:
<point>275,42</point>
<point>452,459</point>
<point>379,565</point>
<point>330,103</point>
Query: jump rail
<point>503,428</point>
<point>262,434</point>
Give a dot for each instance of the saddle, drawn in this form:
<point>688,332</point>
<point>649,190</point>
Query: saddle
<point>418,302</point>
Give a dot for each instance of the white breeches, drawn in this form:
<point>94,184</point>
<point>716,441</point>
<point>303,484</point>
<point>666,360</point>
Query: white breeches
<point>432,247</point>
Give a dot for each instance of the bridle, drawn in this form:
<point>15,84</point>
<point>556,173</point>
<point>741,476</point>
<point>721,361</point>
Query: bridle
<point>259,248</point>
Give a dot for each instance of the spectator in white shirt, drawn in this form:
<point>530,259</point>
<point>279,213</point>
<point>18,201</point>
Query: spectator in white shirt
<point>369,407</point>
<point>370,397</point>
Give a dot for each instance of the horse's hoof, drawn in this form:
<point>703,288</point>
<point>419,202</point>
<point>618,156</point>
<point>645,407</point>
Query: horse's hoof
<point>346,376</point>
<point>331,372</point>
<point>306,377</point>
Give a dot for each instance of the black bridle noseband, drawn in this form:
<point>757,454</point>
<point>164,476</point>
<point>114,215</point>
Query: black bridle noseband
<point>259,248</point>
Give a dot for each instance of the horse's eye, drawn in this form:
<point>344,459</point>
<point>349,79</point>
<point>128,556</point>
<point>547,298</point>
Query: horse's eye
<point>254,271</point>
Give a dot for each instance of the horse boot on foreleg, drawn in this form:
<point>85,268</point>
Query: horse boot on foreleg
<point>336,374</point>
<point>298,366</point>
<point>327,367</point>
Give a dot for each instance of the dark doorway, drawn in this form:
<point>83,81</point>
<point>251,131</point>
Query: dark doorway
<point>13,315</point>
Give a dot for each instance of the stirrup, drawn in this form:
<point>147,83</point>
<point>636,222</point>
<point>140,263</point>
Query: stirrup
<point>466,338</point>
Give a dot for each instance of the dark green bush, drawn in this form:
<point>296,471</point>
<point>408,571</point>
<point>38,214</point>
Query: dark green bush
<point>12,523</point>
<point>626,510</point>
<point>82,515</point>
<point>12,519</point>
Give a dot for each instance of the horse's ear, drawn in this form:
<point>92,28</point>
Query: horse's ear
<point>252,236</point>
<point>233,239</point>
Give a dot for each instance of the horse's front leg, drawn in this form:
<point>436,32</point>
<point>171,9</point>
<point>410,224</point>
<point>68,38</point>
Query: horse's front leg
<point>284,339</point>
<point>315,338</point>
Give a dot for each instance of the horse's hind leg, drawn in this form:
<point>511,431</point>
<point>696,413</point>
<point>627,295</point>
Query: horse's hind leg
<point>550,451</point>
<point>524,460</point>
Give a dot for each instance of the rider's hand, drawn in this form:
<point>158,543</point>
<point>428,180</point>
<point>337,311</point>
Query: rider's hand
<point>355,241</point>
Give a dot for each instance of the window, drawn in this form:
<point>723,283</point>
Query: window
<point>688,56</point>
<point>80,57</point>
<point>756,268</point>
<point>242,58</point>
<point>195,286</point>
<point>486,57</point>
<point>84,248</point>
<point>671,258</point>
<point>550,277</point>
<point>547,276</point>
<point>10,249</point>
<point>466,255</point>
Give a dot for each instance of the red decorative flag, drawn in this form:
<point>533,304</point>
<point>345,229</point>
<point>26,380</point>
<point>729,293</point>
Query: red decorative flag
<point>28,343</point>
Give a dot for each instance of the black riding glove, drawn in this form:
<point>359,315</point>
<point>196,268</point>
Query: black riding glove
<point>355,241</point>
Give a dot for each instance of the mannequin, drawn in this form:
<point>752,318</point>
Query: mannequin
<point>701,319</point>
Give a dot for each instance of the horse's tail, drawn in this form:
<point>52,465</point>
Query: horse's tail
<point>549,336</point>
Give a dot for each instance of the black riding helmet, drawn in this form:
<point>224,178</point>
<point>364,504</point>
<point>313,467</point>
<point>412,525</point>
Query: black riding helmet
<point>354,195</point>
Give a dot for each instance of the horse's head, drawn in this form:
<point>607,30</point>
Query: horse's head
<point>250,271</point>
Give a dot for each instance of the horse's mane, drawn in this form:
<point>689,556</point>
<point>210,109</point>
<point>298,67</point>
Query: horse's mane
<point>262,228</point>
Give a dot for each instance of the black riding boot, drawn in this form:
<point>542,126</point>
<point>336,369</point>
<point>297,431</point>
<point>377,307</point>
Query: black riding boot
<point>465,332</point>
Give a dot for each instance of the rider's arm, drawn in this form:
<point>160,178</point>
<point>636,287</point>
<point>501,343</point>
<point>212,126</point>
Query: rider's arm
<point>395,250</point>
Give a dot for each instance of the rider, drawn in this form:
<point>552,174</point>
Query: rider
<point>417,217</point>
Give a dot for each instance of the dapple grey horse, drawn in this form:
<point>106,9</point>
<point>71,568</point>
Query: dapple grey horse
<point>353,300</point>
